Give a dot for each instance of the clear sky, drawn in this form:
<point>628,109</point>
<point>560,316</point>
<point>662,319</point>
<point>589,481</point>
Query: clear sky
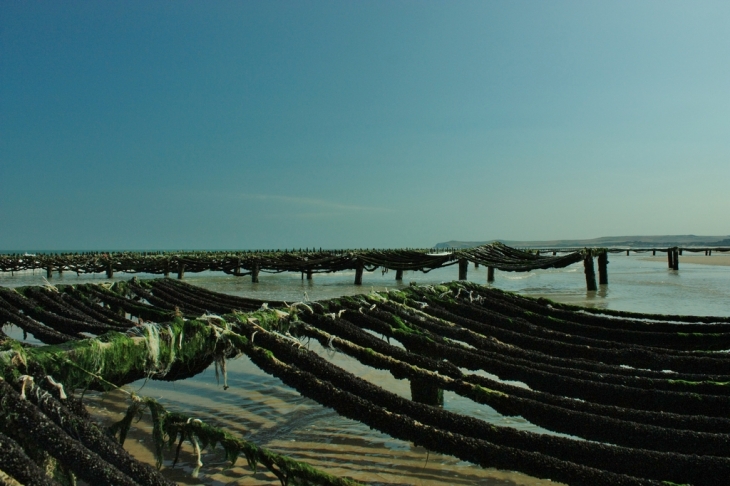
<point>143,125</point>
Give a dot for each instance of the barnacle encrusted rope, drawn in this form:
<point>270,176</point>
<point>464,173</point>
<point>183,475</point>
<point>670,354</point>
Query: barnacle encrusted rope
<point>178,427</point>
<point>496,255</point>
<point>197,433</point>
<point>644,423</point>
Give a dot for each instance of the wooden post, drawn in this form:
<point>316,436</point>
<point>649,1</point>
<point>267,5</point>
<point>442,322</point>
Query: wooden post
<point>590,272</point>
<point>255,273</point>
<point>463,268</point>
<point>490,274</point>
<point>109,270</point>
<point>424,392</point>
<point>670,257</point>
<point>237,270</point>
<point>180,270</point>
<point>709,252</point>
<point>49,271</point>
<point>653,252</point>
<point>309,274</point>
<point>359,268</point>
<point>167,267</point>
<point>627,252</point>
<point>399,275</point>
<point>676,259</point>
<point>603,268</point>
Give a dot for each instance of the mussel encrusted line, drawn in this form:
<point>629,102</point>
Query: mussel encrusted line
<point>665,422</point>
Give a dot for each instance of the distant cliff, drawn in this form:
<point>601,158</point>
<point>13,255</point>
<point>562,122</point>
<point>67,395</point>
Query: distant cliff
<point>606,241</point>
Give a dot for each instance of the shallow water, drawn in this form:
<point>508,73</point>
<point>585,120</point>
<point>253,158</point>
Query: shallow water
<point>636,283</point>
<point>260,408</point>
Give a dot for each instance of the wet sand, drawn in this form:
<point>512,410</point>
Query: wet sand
<point>261,409</point>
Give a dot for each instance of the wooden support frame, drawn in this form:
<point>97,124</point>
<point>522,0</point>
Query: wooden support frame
<point>603,268</point>
<point>463,268</point>
<point>424,392</point>
<point>590,272</point>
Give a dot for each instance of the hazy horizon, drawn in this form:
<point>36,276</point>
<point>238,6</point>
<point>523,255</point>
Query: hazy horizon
<point>359,125</point>
<point>656,238</point>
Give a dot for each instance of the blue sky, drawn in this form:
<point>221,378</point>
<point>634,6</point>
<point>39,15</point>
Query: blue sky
<point>141,125</point>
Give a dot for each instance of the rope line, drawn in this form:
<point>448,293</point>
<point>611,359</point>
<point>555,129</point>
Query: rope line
<point>649,393</point>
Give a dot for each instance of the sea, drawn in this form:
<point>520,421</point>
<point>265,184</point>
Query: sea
<point>259,408</point>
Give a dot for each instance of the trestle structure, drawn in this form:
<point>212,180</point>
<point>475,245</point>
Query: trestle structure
<point>638,399</point>
<point>309,262</point>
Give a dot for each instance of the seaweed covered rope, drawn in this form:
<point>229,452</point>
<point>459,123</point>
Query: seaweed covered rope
<point>48,434</point>
<point>309,262</point>
<point>665,422</point>
<point>64,444</point>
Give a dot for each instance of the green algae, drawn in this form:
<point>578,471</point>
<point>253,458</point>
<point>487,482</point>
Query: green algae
<point>169,428</point>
